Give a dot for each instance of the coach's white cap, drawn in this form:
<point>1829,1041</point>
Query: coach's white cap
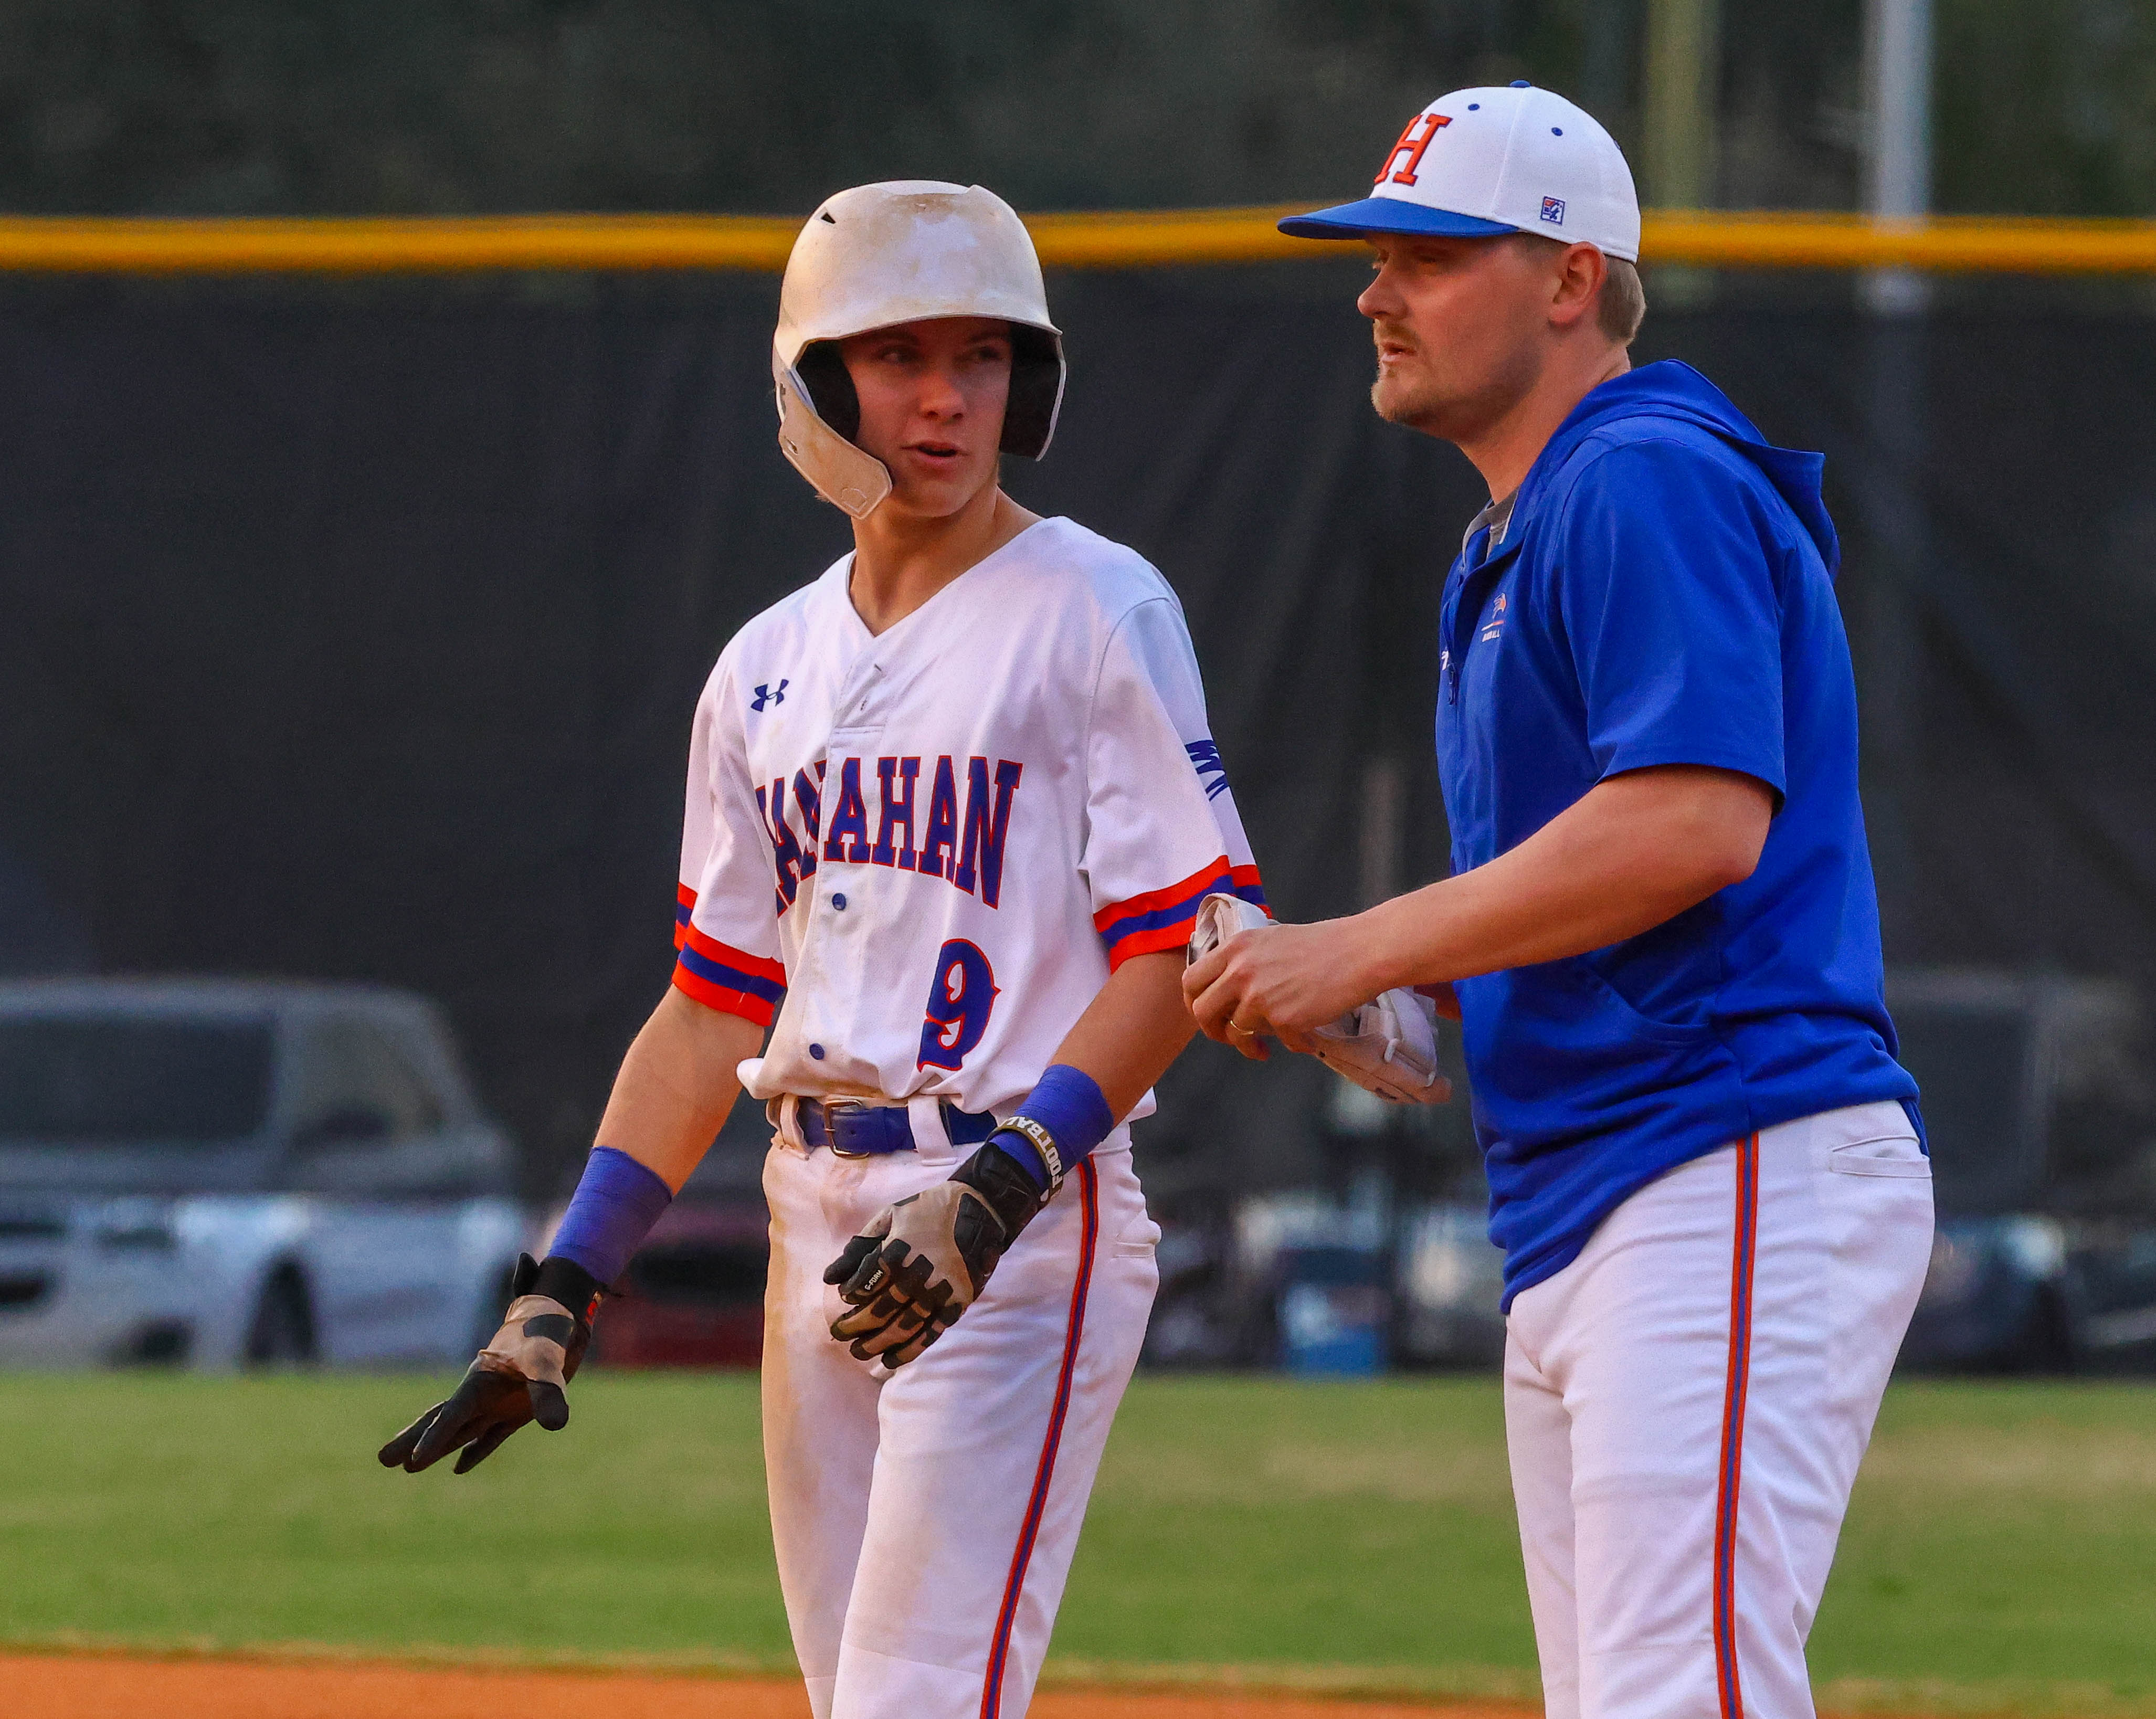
<point>1481,162</point>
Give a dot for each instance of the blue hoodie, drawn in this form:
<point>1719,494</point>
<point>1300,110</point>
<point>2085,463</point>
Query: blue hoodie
<point>1663,594</point>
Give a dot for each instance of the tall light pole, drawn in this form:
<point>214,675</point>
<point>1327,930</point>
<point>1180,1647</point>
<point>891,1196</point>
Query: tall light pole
<point>1895,571</point>
<point>1683,78</point>
<point>1897,67</point>
<point>1682,85</point>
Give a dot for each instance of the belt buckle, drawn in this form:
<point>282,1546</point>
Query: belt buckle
<point>833,1108</point>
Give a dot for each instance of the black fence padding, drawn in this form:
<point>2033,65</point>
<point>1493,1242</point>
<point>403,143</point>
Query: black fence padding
<point>356,635</point>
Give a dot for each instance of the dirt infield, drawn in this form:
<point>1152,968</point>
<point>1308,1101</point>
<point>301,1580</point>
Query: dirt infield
<point>112,1686</point>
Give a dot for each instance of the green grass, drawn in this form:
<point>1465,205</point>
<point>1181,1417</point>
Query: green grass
<point>2003,1536</point>
<point>234,1512</point>
<point>2000,1553</point>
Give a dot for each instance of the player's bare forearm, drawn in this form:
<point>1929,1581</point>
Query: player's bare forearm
<point>1132,1029</point>
<point>676,1086</point>
<point>1637,849</point>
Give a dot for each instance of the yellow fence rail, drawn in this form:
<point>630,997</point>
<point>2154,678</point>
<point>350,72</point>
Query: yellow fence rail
<point>430,244</point>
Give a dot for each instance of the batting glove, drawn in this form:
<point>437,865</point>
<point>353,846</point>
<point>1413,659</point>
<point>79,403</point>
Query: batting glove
<point>518,1379</point>
<point>923,1260</point>
<point>1388,1045</point>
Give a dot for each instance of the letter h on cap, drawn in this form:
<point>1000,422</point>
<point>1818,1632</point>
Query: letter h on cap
<point>1412,147</point>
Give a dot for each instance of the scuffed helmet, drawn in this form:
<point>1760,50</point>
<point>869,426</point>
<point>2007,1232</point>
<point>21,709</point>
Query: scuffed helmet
<point>904,251</point>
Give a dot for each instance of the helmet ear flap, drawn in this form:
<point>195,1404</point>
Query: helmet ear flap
<point>821,368</point>
<point>1036,391</point>
<point>841,472</point>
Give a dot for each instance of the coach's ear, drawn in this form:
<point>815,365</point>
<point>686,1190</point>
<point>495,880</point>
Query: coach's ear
<point>1576,284</point>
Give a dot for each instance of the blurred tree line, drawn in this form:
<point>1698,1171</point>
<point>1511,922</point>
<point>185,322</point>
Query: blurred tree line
<point>349,106</point>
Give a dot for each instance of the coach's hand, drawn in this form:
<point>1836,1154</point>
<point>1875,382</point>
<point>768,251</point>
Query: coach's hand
<point>1284,980</point>
<point>518,1378</point>
<point>924,1261</point>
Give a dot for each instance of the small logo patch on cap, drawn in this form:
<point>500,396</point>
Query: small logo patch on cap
<point>1553,210</point>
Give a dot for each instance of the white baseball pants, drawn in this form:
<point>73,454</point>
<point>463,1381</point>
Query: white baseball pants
<point>925,1519</point>
<point>1686,1405</point>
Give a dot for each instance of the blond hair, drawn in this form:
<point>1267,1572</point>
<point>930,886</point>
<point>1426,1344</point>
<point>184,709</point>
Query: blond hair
<point>1622,304</point>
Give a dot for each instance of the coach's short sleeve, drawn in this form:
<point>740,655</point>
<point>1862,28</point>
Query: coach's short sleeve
<point>1667,590</point>
<point>1161,831</point>
<point>727,906</point>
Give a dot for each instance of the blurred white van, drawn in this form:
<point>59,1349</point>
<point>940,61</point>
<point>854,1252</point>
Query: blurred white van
<point>225,1172</point>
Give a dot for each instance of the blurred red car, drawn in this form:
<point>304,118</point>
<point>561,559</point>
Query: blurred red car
<point>693,1294</point>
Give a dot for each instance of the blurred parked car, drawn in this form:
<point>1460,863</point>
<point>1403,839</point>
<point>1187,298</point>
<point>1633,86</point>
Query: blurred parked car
<point>1311,1266</point>
<point>2037,1098</point>
<point>2039,1103</point>
<point>1388,1265</point>
<point>2040,1108</point>
<point>228,1172</point>
<point>1447,1276</point>
<point>1451,1283</point>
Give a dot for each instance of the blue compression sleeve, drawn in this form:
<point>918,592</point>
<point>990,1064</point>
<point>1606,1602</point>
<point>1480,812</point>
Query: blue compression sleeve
<point>1068,1104</point>
<point>616,1204</point>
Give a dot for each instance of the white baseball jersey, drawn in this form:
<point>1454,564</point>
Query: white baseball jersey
<point>935,843</point>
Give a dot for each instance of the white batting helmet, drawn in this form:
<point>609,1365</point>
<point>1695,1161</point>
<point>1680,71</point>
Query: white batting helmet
<point>902,252</point>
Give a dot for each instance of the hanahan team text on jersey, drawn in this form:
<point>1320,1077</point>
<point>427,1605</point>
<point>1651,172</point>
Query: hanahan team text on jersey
<point>974,860</point>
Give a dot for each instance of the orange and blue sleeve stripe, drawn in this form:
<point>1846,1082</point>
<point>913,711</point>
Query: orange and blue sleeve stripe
<point>1162,919</point>
<point>720,976</point>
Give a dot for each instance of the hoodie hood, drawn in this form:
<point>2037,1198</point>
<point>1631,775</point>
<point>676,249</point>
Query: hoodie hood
<point>1636,403</point>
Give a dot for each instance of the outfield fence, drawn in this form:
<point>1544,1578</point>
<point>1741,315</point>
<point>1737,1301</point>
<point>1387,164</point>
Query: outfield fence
<point>401,600</point>
<point>446,244</point>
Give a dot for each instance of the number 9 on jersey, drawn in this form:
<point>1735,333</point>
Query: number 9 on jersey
<point>960,999</point>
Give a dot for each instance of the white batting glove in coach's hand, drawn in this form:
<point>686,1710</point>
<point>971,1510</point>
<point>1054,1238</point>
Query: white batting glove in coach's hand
<point>925,1259</point>
<point>1388,1045</point>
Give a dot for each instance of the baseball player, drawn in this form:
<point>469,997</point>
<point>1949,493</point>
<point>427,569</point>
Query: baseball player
<point>1706,1165</point>
<point>951,809</point>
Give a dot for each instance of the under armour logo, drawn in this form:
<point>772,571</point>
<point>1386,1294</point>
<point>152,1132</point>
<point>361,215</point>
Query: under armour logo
<point>769,695</point>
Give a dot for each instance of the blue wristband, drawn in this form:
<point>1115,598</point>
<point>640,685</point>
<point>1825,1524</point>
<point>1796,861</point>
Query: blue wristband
<point>614,1206</point>
<point>1068,1104</point>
